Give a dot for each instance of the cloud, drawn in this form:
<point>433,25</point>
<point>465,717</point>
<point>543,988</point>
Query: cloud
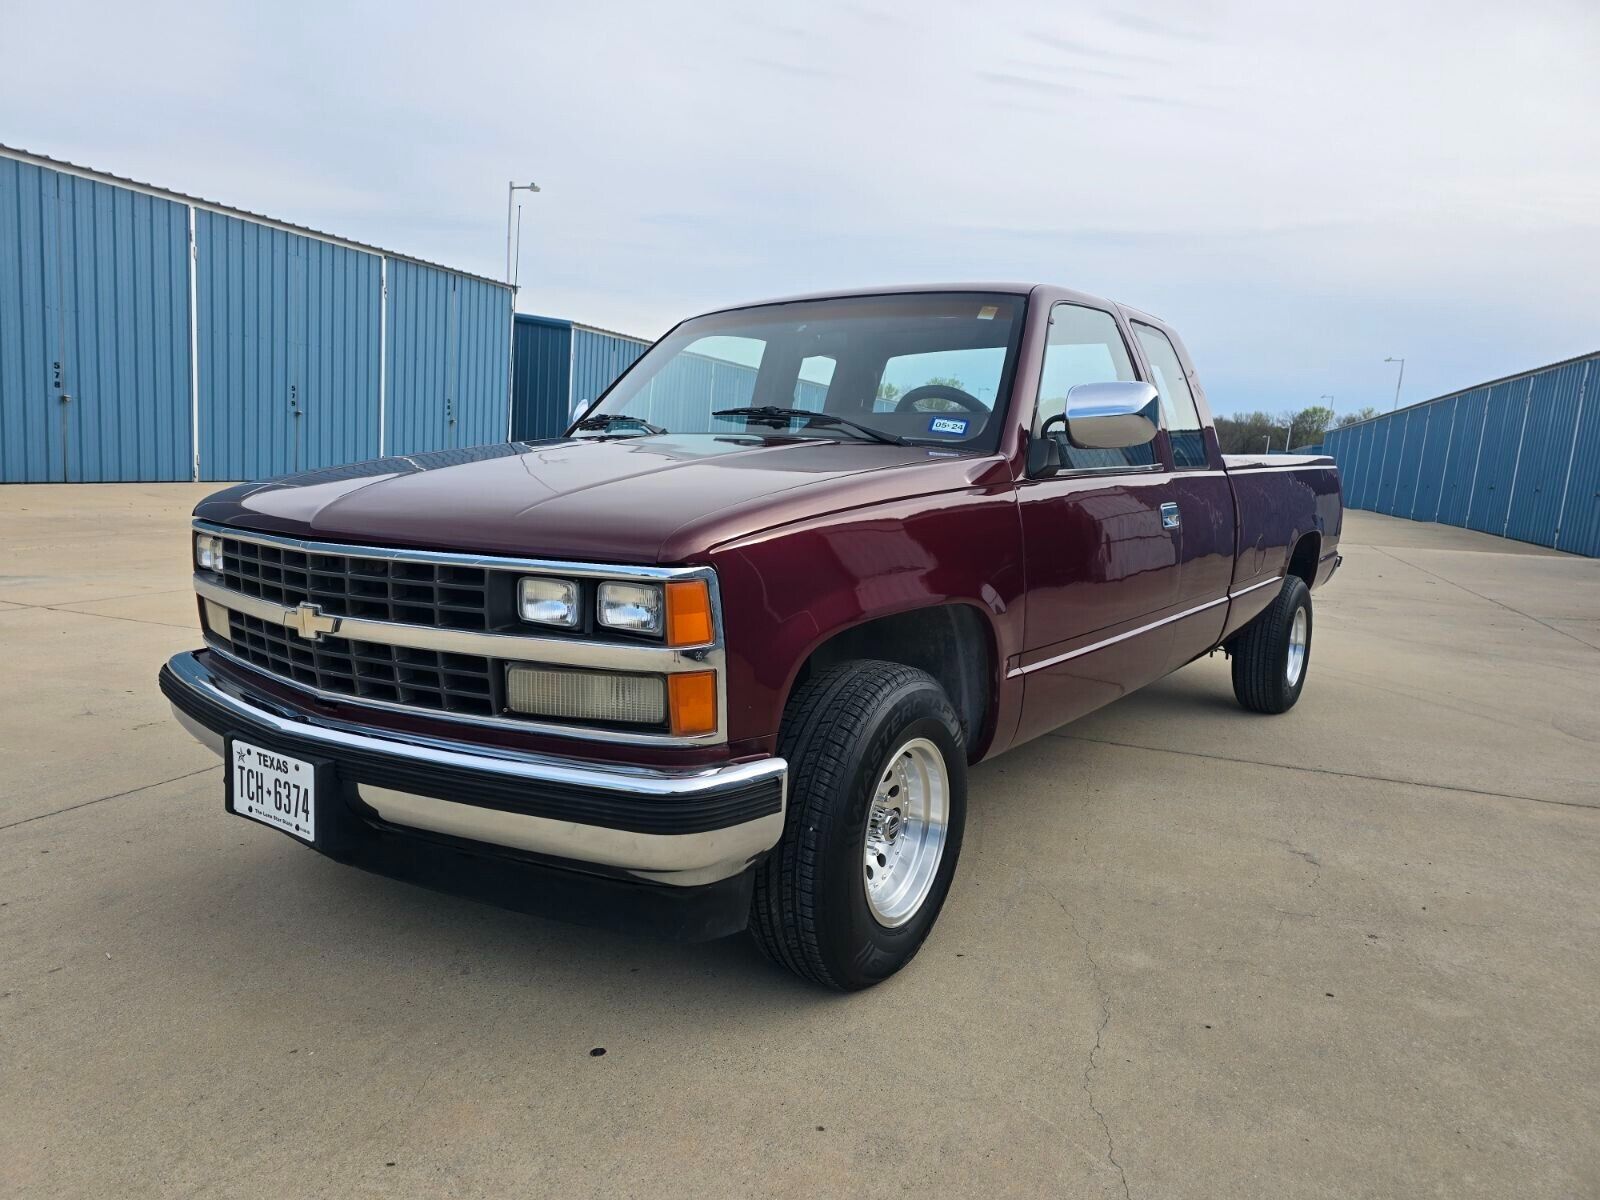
<point>1301,198</point>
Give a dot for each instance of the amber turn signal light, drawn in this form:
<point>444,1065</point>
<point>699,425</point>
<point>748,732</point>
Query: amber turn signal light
<point>692,702</point>
<point>688,613</point>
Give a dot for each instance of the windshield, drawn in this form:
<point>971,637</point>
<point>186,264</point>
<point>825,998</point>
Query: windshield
<point>925,367</point>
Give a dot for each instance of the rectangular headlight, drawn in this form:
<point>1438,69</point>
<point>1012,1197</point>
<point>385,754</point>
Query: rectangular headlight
<point>208,552</point>
<point>586,695</point>
<point>634,607</point>
<point>548,601</point>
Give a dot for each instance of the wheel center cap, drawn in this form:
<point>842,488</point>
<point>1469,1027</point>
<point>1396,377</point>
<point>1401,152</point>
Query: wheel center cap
<point>892,824</point>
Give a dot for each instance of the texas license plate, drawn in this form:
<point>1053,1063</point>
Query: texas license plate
<point>274,789</point>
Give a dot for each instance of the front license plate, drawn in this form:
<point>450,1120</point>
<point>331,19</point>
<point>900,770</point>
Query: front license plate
<point>274,789</point>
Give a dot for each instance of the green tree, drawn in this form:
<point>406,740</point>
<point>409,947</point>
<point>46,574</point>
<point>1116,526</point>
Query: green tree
<point>1255,432</point>
<point>1309,424</point>
<point>1365,414</point>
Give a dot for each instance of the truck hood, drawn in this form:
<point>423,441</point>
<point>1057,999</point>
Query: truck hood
<point>626,500</point>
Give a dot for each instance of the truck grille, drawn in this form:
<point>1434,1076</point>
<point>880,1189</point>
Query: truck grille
<point>433,679</point>
<point>441,595</point>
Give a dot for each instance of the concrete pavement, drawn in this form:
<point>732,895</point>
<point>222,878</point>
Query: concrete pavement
<point>1351,951</point>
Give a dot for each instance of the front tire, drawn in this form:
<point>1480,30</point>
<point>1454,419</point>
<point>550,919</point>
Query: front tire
<point>876,810</point>
<point>1272,654</point>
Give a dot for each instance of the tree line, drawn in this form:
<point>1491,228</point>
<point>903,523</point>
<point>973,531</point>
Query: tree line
<point>1254,432</point>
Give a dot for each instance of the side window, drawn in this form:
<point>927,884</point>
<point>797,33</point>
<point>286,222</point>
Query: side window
<point>1177,400</point>
<point>1085,346</point>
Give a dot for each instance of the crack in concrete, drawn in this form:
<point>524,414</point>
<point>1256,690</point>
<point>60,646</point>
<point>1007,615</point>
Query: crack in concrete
<point>1092,1062</point>
<point>114,796</point>
<point>1486,599</point>
<point>1288,844</point>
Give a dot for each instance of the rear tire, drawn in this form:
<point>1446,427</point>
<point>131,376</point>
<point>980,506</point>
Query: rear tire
<point>1272,655</point>
<point>876,809</point>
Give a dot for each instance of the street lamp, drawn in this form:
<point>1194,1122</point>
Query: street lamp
<point>1398,381</point>
<point>511,190</point>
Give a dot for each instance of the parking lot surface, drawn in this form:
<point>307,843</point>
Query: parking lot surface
<point>1349,951</point>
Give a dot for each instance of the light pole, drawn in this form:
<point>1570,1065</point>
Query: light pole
<point>1398,381</point>
<point>511,190</point>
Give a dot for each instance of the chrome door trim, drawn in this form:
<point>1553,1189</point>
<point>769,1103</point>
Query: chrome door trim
<point>1057,660</point>
<point>1247,590</point>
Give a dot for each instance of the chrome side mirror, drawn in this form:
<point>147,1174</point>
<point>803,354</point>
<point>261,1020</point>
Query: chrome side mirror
<point>1112,416</point>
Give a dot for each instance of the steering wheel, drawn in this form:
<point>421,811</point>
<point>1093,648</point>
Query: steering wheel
<point>966,401</point>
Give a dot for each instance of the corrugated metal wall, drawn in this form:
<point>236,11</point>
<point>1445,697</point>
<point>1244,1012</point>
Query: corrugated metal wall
<point>541,378</point>
<point>288,340</point>
<point>598,358</point>
<point>448,345</point>
<point>94,333</point>
<point>286,361</point>
<point>1518,458</point>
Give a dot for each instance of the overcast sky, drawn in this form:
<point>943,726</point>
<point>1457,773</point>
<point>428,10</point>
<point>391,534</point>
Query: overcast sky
<point>1301,189</point>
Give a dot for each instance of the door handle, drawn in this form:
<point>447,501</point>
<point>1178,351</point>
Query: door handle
<point>1169,516</point>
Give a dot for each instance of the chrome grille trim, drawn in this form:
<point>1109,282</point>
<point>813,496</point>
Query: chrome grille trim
<point>568,651</point>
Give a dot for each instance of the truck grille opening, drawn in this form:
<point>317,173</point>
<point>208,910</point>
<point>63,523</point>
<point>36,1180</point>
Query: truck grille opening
<point>440,595</point>
<point>431,679</point>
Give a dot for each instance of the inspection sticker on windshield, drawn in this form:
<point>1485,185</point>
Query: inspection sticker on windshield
<point>955,425</point>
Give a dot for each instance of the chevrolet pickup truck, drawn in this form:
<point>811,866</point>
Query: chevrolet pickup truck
<point>721,657</point>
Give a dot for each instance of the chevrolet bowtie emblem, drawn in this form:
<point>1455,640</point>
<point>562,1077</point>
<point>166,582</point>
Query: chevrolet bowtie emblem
<point>309,623</point>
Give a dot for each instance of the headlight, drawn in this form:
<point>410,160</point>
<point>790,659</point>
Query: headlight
<point>634,607</point>
<point>548,601</point>
<point>208,552</point>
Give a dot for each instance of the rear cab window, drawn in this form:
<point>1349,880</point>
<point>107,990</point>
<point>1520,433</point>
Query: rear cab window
<point>1177,398</point>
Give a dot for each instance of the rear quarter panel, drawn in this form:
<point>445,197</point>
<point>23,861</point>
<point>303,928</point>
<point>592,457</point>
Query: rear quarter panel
<point>1279,499</point>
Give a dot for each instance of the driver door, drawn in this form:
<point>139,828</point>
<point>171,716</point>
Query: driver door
<point>1100,551</point>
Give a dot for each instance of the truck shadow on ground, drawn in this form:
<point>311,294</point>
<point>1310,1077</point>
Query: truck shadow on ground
<point>259,906</point>
<point>412,939</point>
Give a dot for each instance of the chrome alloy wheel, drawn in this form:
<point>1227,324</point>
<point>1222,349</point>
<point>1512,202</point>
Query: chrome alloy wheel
<point>1298,636</point>
<point>906,825</point>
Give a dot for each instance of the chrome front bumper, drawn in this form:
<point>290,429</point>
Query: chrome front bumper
<point>683,827</point>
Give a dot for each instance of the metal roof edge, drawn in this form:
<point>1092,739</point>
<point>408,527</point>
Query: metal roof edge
<point>630,337</point>
<point>228,210</point>
<point>1488,383</point>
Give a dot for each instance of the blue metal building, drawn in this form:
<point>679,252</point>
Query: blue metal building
<point>558,366</point>
<point>150,335</point>
<point>1517,457</point>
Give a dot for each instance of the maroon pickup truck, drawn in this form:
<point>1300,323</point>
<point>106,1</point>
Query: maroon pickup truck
<point>720,657</point>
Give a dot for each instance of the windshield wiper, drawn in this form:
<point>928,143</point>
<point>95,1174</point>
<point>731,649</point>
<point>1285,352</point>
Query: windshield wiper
<point>771,414</point>
<point>603,422</point>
